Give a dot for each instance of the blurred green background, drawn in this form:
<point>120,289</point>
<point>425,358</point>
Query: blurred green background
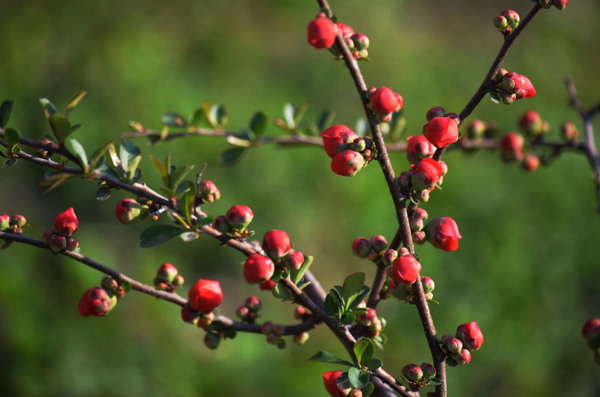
<point>527,269</point>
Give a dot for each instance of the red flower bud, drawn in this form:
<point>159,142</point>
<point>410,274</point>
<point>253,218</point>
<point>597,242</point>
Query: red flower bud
<point>221,224</point>
<point>128,210</point>
<point>205,295</point>
<point>239,216</point>
<point>346,30</point>
<point>386,101</point>
<point>462,358</point>
<point>527,90</point>
<point>418,148</point>
<point>470,335</point>
<point>569,131</point>
<point>321,32</point>
<point>531,122</point>
<point>330,380</point>
<point>66,222</point>
<point>425,174</point>
<point>267,285</point>
<point>253,303</point>
<point>412,372</point>
<point>361,247</point>
<point>335,136</point>
<point>560,4</point>
<point>441,131</point>
<point>294,259</point>
<point>443,233</point>
<point>95,302</point>
<point>511,146</point>
<point>189,315</point>
<point>166,273</point>
<point>209,192</point>
<point>276,244</point>
<point>406,269</point>
<point>530,162</point>
<point>591,332</point>
<point>347,163</point>
<point>57,243</point>
<point>258,268</point>
<point>4,222</point>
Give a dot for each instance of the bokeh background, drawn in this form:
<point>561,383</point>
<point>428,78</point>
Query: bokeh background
<point>527,269</point>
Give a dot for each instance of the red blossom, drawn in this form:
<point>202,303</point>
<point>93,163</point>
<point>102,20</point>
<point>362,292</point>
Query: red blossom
<point>66,222</point>
<point>470,335</point>
<point>443,233</point>
<point>441,131</point>
<point>335,136</point>
<point>276,244</point>
<point>205,295</point>
<point>406,269</point>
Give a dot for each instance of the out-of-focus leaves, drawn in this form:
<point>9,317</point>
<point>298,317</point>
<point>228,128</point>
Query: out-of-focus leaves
<point>6,108</point>
<point>173,119</point>
<point>74,102</point>
<point>158,234</point>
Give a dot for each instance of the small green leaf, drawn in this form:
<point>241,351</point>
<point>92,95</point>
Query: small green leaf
<point>126,286</point>
<point>434,382</point>
<point>358,378</point>
<point>280,291</point>
<point>74,102</point>
<point>80,152</point>
<point>331,307</point>
<point>374,364</point>
<point>54,180</point>
<point>258,123</point>
<point>348,318</point>
<point>187,195</point>
<point>157,234</point>
<point>6,108</point>
<point>243,139</point>
<point>289,110</point>
<point>325,120</point>
<point>299,113</point>
<point>49,108</point>
<point>494,97</point>
<point>178,174</point>
<point>336,294</point>
<point>359,297</point>
<point>61,127</point>
<point>397,126</point>
<point>297,274</point>
<point>359,311</point>
<point>10,162</point>
<point>231,156</point>
<point>102,193</point>
<point>352,286</point>
<point>197,117</point>
<point>97,156</point>
<point>363,350</point>
<point>326,357</point>
<point>11,136</point>
<point>368,389</point>
<point>130,156</point>
<point>188,236</point>
<point>218,114</point>
<point>173,119</point>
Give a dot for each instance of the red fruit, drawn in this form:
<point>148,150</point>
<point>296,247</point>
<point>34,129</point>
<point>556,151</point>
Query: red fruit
<point>441,131</point>
<point>530,163</point>
<point>239,216</point>
<point>470,335</point>
<point>406,269</point>
<point>258,268</point>
<point>321,32</point>
<point>425,174</point>
<point>418,148</point>
<point>66,222</point>
<point>95,302</point>
<point>386,101</point>
<point>443,233</point>
<point>205,295</point>
<point>330,380</point>
<point>127,211</point>
<point>276,244</point>
<point>335,136</point>
<point>347,163</point>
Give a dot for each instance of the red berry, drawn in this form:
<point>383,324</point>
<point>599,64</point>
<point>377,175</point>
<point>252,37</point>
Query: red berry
<point>443,233</point>
<point>321,32</point>
<point>406,269</point>
<point>239,216</point>
<point>276,244</point>
<point>127,211</point>
<point>258,268</point>
<point>335,136</point>
<point>347,163</point>
<point>205,295</point>
<point>441,131</point>
<point>470,335</point>
<point>66,222</point>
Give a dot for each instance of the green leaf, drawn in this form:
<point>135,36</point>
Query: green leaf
<point>10,162</point>
<point>325,120</point>
<point>363,351</point>
<point>218,114</point>
<point>102,193</point>
<point>173,119</point>
<point>494,97</point>
<point>327,357</point>
<point>289,110</point>
<point>244,138</point>
<point>280,291</point>
<point>359,297</point>
<point>11,136</point>
<point>188,236</point>
<point>80,152</point>
<point>299,113</point>
<point>157,234</point>
<point>358,378</point>
<point>374,364</point>
<point>352,286</point>
<point>130,156</point>
<point>49,108</point>
<point>61,127</point>
<point>297,274</point>
<point>343,382</point>
<point>434,382</point>
<point>397,126</point>
<point>187,195</point>
<point>161,169</point>
<point>97,156</point>
<point>178,174</point>
<point>6,108</point>
<point>336,294</point>
<point>54,180</point>
<point>348,318</point>
<point>197,117</point>
<point>231,156</point>
<point>331,307</point>
<point>74,102</point>
<point>258,123</point>
<point>368,389</point>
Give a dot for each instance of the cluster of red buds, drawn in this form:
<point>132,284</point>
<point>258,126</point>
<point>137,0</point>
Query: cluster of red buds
<point>510,86</point>
<point>591,333</point>
<point>168,278</point>
<point>422,177</point>
<point>209,192</point>
<point>203,298</point>
<point>507,21</point>
<point>372,248</point>
<point>12,224</point>
<point>418,148</point>
<point>418,376</point>
<point>248,312</point>
<point>406,293</point>
<point>479,129</point>
<point>559,4</point>
<point>322,32</point>
<point>441,128</point>
<point>98,301</point>
<point>59,237</point>
<point>373,324</point>
<point>458,349</point>
<point>569,131</point>
<point>274,333</point>
<point>349,153</point>
<point>417,223</point>
<point>405,268</point>
<point>235,222</point>
<point>384,102</point>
